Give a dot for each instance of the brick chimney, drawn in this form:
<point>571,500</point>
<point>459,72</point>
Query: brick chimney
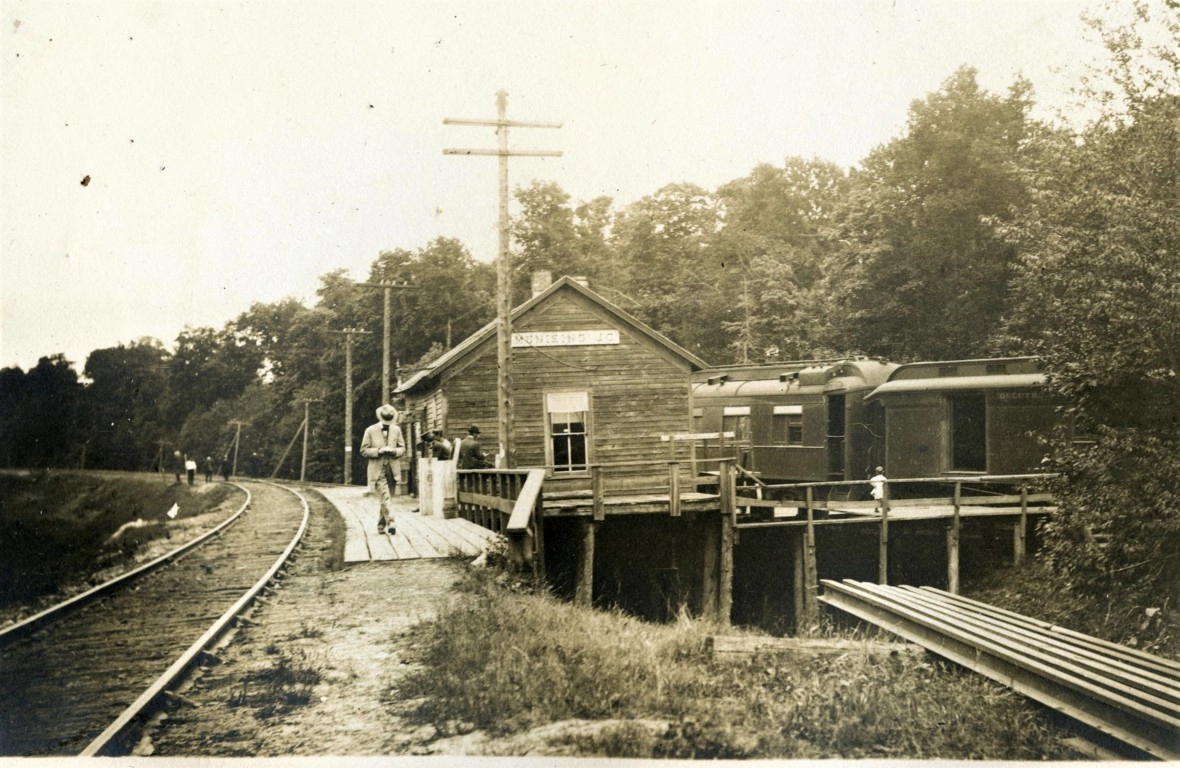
<point>542,279</point>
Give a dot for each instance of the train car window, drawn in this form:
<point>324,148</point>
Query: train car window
<point>968,432</point>
<point>786,426</point>
<point>568,418</point>
<point>736,419</point>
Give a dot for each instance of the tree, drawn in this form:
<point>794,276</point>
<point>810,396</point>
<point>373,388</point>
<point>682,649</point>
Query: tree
<point>667,268</point>
<point>924,271</point>
<point>40,417</point>
<point>772,246</point>
<point>210,365</point>
<point>552,235</point>
<point>14,391</point>
<point>124,404</point>
<point>1098,298</point>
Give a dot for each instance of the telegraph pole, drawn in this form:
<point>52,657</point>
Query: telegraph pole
<point>389,289</point>
<point>237,439</point>
<point>160,456</point>
<point>503,271</point>
<point>306,430</point>
<point>348,334</point>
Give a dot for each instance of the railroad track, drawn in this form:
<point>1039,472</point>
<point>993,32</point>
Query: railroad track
<point>78,678</point>
<point>1130,696</point>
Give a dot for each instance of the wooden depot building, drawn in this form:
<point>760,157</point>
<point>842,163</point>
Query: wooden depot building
<point>596,394</point>
<point>590,385</point>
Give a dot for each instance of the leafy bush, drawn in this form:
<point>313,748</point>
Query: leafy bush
<point>1118,524</point>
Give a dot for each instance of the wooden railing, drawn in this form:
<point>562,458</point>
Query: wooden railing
<point>507,501</point>
<point>878,509</point>
<point>512,502</point>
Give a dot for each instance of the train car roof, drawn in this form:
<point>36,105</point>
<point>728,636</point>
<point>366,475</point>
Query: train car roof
<point>756,371</point>
<point>799,378</point>
<point>962,375</point>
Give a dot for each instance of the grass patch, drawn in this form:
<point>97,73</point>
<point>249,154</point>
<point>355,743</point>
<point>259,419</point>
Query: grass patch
<point>285,685</point>
<point>56,528</point>
<point>508,661</point>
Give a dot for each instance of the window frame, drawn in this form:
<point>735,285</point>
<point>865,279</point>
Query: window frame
<point>790,417</point>
<point>588,430</point>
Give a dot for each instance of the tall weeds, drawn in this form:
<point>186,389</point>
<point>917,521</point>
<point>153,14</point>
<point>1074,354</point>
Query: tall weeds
<point>506,662</point>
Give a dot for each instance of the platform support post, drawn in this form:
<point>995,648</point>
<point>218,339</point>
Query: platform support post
<point>1020,535</point>
<point>883,544</point>
<point>674,488</point>
<point>728,535</point>
<point>709,573</point>
<point>952,545</point>
<point>584,589</point>
<point>799,544</point>
<point>810,569</point>
<point>597,485</point>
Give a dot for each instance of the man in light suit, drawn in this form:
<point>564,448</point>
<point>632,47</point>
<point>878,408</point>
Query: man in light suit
<point>383,446</point>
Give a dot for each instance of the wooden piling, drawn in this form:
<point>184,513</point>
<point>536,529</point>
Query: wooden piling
<point>674,488</point>
<point>710,578</point>
<point>799,544</point>
<point>584,589</point>
<point>810,569</point>
<point>883,544</point>
<point>952,545</point>
<point>596,485</point>
<point>1020,534</point>
<point>728,532</point>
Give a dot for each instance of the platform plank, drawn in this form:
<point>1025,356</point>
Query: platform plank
<point>415,537</point>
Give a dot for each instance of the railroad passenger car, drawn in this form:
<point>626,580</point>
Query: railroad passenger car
<point>804,421</point>
<point>965,417</point>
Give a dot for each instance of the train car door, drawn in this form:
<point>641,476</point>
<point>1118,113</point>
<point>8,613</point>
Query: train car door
<point>836,434</point>
<point>968,412</point>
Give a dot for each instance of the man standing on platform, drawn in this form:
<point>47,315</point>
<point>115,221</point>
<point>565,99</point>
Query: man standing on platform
<point>383,446</point>
<point>471,455</point>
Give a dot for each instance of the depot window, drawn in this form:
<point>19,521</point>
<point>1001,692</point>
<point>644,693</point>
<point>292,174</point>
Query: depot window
<point>567,416</point>
<point>786,427</point>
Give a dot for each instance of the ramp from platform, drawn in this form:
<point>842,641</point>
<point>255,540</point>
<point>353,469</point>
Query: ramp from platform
<point>416,536</point>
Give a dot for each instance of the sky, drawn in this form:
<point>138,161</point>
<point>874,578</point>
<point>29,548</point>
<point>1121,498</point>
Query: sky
<point>238,151</point>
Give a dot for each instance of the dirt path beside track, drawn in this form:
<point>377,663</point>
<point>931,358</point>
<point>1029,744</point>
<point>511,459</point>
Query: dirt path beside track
<point>316,674</point>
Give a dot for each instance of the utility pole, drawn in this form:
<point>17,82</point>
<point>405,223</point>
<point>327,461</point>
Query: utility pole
<point>348,334</point>
<point>389,289</point>
<point>237,439</point>
<point>160,455</point>
<point>306,430</point>
<point>503,271</point>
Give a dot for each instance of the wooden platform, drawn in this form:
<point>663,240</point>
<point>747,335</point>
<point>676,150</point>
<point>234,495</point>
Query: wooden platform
<point>417,537</point>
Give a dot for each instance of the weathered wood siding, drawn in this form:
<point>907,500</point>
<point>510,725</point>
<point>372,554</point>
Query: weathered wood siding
<point>638,390</point>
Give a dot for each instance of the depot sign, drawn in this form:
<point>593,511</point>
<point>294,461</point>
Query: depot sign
<point>565,338</point>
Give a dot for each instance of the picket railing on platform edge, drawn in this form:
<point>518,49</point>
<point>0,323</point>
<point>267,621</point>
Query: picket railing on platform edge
<point>508,501</point>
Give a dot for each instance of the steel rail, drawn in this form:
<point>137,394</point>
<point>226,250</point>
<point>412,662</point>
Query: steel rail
<point>1148,681</point>
<point>1142,659</point>
<point>1152,730</point>
<point>111,740</point>
<point>1155,697</point>
<point>77,601</point>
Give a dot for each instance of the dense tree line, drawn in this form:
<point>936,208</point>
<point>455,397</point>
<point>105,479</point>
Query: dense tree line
<point>979,231</point>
